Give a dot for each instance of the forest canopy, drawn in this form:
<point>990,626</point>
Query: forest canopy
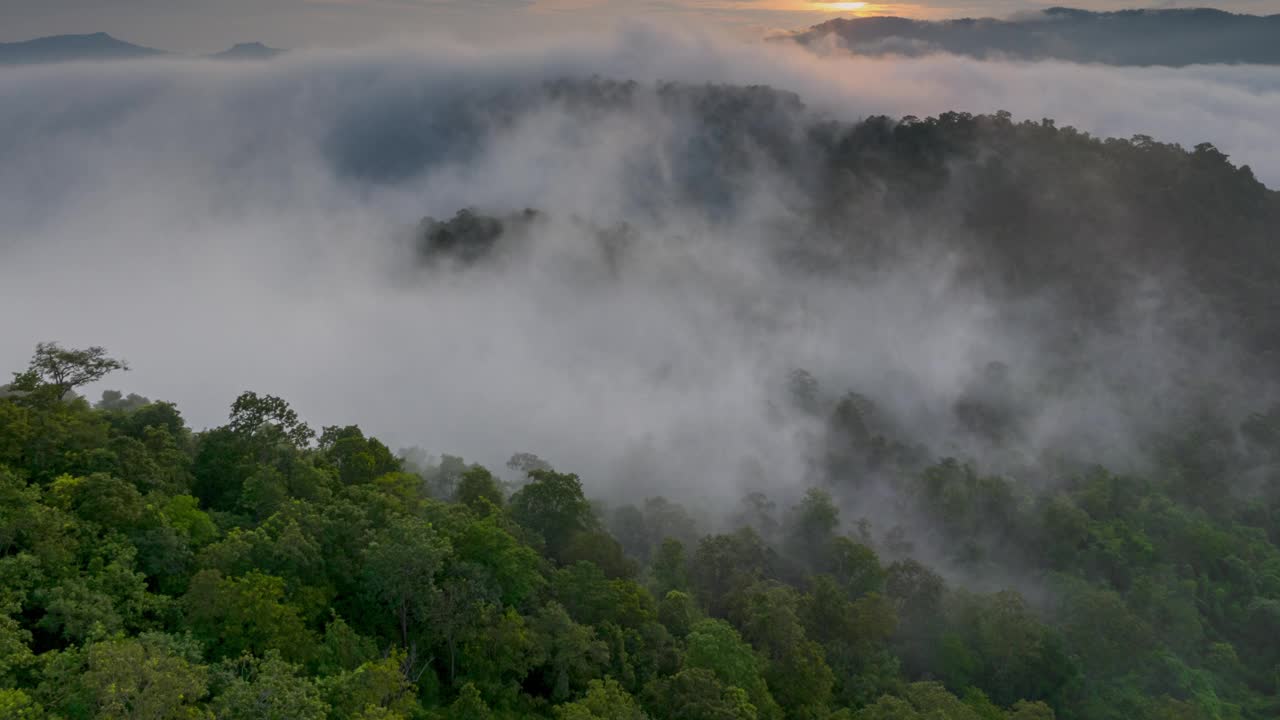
<point>260,569</point>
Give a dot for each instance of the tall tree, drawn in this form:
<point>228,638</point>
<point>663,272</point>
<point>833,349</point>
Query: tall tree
<point>64,369</point>
<point>553,506</point>
<point>401,565</point>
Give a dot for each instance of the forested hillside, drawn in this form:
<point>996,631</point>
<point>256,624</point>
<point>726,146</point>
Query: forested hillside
<point>1067,235</point>
<point>261,569</point>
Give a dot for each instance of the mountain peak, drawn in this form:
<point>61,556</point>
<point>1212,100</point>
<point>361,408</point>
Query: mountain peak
<point>248,51</point>
<point>66,48</point>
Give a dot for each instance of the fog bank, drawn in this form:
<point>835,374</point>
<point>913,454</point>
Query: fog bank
<point>232,227</point>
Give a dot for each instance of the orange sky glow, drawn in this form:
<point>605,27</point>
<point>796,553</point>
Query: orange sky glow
<point>821,9</point>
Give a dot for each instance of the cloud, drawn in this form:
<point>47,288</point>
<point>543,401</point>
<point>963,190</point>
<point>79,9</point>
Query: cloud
<point>232,227</point>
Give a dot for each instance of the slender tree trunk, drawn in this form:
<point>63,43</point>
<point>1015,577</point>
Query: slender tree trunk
<point>404,622</point>
<point>452,655</point>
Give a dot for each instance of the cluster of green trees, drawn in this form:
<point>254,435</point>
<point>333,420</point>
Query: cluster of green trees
<point>1031,207</point>
<point>258,570</point>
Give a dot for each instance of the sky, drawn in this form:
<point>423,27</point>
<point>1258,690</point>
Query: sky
<point>211,25</point>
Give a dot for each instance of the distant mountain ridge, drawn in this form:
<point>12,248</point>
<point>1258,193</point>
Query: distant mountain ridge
<point>66,48</point>
<point>102,46</point>
<point>1173,37</point>
<point>248,51</point>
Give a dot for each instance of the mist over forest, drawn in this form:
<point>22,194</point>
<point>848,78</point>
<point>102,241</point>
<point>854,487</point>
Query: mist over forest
<point>651,375</point>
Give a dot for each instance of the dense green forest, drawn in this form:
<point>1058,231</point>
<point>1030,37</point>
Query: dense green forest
<point>263,570</point>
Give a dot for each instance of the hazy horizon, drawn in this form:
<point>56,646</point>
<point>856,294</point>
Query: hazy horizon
<point>199,28</point>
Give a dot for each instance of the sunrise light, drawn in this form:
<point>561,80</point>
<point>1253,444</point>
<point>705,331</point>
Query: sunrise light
<point>858,7</point>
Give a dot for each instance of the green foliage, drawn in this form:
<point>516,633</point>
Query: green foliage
<point>15,650</point>
<point>245,614</point>
<point>147,571</point>
<point>814,525</point>
<point>104,597</point>
<point>358,459</point>
<point>855,566</point>
<point>571,655</point>
<point>266,689</point>
<point>725,564</point>
<point>149,678</point>
<point>677,612</point>
<point>697,694</point>
<point>375,689</point>
<point>183,513</point>
<point>716,646</point>
<point>400,568</point>
<point>267,417</point>
<point>479,490</point>
<point>17,705</point>
<point>605,700</point>
<point>469,705</point>
<point>600,549</point>
<point>1003,649</point>
<point>669,570</point>
<point>552,505</point>
<point>515,569</point>
<point>60,370</point>
<point>499,655</point>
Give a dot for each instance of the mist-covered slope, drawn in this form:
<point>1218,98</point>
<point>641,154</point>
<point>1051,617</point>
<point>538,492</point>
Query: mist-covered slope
<point>1072,291</point>
<point>1175,37</point>
<point>1027,209</point>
